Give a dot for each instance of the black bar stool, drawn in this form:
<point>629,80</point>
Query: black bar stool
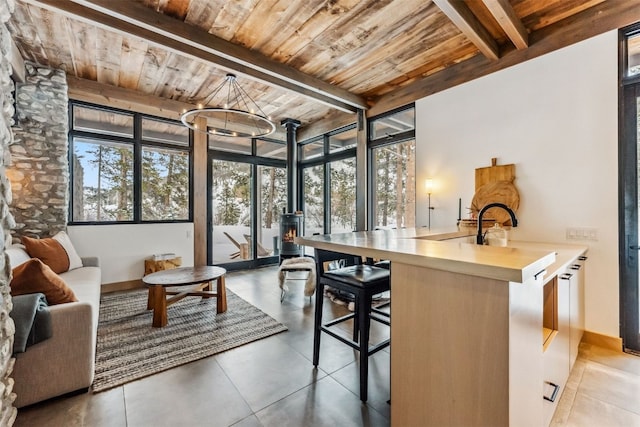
<point>363,281</point>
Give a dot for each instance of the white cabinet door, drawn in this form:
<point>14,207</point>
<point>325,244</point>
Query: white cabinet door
<point>556,356</point>
<point>576,307</point>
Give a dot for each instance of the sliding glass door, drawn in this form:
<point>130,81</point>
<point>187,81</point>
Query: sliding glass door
<point>271,198</point>
<point>230,206</point>
<point>247,192</point>
<point>630,237</point>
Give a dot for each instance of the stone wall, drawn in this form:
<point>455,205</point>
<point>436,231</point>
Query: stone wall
<point>40,172</point>
<point>7,411</point>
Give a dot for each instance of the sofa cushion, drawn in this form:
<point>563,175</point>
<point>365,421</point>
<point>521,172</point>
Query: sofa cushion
<point>57,252</point>
<point>35,276</point>
<point>85,283</point>
<point>17,255</point>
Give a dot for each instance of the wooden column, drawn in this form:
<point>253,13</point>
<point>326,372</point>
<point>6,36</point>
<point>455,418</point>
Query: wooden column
<point>200,194</point>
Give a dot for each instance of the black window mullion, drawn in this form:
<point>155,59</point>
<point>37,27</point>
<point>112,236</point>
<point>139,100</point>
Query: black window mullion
<point>191,166</point>
<point>327,197</point>
<point>137,168</point>
<point>254,210</point>
<point>70,152</point>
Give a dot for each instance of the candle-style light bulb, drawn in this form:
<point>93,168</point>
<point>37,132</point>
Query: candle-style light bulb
<point>428,183</point>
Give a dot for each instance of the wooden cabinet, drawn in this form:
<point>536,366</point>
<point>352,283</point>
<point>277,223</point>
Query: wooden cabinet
<point>563,326</point>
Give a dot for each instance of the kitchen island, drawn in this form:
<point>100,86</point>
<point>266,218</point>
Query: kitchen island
<point>466,324</point>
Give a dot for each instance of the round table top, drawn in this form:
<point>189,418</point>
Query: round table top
<point>184,276</point>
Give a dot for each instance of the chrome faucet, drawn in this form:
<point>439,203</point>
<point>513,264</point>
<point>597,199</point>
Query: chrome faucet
<point>514,220</point>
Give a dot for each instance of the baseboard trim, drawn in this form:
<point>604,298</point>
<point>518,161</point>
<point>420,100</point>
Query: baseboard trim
<point>605,341</point>
<point>127,285</point>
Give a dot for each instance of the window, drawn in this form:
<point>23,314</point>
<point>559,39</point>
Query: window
<point>343,195</point>
<point>165,184</point>
<point>633,55</point>
<point>328,166</point>
<point>313,189</point>
<point>272,196</point>
<point>271,149</point>
<point>392,124</point>
<point>393,187</point>
<point>231,145</point>
<point>102,121</point>
<point>126,167</point>
<point>343,141</point>
<point>103,180</point>
<point>312,149</point>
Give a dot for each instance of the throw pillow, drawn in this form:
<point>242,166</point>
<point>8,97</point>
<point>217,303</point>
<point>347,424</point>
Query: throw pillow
<point>49,251</point>
<point>65,241</point>
<point>35,276</point>
<point>57,252</point>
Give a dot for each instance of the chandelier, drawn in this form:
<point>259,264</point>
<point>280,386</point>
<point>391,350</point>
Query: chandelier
<point>234,114</point>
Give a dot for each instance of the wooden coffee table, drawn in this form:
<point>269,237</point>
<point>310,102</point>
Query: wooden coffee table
<point>202,277</point>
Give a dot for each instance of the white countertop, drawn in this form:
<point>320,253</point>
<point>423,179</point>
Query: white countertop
<point>423,247</point>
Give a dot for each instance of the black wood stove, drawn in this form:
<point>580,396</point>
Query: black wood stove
<point>290,227</point>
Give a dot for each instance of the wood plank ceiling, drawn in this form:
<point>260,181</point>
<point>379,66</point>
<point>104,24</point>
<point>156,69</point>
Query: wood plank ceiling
<point>317,61</point>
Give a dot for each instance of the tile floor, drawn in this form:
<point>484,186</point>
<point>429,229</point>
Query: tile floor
<point>272,382</point>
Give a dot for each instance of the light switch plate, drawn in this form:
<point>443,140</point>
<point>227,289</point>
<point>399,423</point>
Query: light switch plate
<point>582,233</point>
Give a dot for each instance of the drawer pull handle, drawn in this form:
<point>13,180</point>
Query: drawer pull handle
<point>566,276</point>
<point>556,387</point>
<point>582,258</point>
<point>575,267</point>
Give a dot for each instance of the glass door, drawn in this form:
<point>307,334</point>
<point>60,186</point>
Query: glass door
<point>230,212</point>
<point>629,236</point>
<point>272,197</point>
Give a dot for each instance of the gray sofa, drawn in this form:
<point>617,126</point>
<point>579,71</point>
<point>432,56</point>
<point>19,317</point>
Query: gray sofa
<point>65,362</point>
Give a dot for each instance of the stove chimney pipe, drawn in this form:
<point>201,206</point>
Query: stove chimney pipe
<point>292,164</point>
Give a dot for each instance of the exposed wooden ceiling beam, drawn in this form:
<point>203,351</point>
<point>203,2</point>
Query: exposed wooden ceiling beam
<point>509,21</point>
<point>131,100</point>
<point>126,99</point>
<point>460,14</point>
<point>134,19</point>
<point>603,17</point>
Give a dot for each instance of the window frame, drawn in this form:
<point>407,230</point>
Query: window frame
<point>254,162</point>
<point>137,142</point>
<point>324,160</point>
<point>372,144</point>
<point>628,228</point>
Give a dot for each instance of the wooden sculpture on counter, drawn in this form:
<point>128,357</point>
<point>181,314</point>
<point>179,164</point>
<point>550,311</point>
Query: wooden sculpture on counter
<point>496,184</point>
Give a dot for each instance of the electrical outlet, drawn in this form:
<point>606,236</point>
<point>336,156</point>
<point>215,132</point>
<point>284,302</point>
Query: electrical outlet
<point>582,233</point>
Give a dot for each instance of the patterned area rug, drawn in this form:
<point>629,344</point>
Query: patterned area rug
<point>129,348</point>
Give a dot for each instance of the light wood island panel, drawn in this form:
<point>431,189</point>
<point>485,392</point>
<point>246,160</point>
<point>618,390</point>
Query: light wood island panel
<point>466,324</point>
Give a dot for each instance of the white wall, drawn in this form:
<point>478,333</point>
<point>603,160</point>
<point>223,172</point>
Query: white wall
<point>555,117</point>
<point>123,248</point>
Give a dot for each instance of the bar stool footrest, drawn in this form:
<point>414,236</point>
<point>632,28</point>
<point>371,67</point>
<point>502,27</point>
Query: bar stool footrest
<point>371,350</point>
<point>340,319</point>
